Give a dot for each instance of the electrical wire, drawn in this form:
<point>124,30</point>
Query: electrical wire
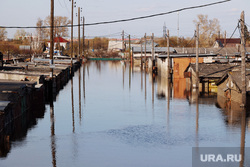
<point>126,20</point>
<point>229,38</point>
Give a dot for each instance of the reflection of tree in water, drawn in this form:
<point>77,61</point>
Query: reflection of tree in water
<point>98,66</point>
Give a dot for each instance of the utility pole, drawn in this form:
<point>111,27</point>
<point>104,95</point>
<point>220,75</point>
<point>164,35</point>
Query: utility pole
<point>72,13</point>
<point>123,44</point>
<point>153,53</point>
<point>141,55</point>
<point>145,57</point>
<point>178,29</point>
<point>243,58</point>
<point>30,48</point>
<point>225,38</point>
<point>130,55</point>
<point>79,34</point>
<point>168,68</point>
<point>153,49</point>
<point>51,37</point>
<point>164,31</point>
<point>218,35</point>
<point>88,44</point>
<point>83,37</point>
<point>197,57</point>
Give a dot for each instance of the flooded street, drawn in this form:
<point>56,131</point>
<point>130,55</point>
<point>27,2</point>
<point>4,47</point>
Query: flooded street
<point>110,115</point>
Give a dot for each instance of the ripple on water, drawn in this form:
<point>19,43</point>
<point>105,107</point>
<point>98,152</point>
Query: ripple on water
<point>153,135</point>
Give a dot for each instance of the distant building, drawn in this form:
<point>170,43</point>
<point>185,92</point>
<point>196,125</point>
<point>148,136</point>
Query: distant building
<point>116,44</point>
<point>63,42</point>
<point>227,42</point>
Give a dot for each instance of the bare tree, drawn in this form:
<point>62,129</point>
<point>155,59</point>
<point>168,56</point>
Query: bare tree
<point>59,21</point>
<point>20,33</point>
<point>3,34</point>
<point>208,29</point>
<point>39,30</point>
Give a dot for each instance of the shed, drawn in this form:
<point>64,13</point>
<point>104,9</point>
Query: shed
<point>229,86</point>
<point>208,73</point>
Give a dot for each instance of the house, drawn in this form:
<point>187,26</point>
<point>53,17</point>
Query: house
<point>179,63</point>
<point>208,73</point>
<point>230,86</point>
<point>59,40</point>
<point>117,45</point>
<point>138,51</point>
<point>227,42</point>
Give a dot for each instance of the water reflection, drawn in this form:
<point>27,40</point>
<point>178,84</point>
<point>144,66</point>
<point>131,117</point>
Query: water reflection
<point>145,83</point>
<point>72,106</point>
<point>141,78</point>
<point>196,95</point>
<point>243,136</point>
<point>182,119</point>
<point>17,129</point>
<point>235,116</point>
<point>52,135</point>
<point>123,72</point>
<point>130,71</point>
<point>84,91</point>
<point>152,79</point>
<point>80,98</point>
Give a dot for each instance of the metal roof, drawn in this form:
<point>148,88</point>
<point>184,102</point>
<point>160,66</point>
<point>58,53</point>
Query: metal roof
<point>149,49</point>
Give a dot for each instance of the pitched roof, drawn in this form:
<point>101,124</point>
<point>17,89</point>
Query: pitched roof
<point>211,50</point>
<point>236,78</point>
<point>229,40</point>
<point>60,39</point>
<point>214,70</point>
<point>149,49</point>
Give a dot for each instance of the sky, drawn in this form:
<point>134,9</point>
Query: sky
<point>27,12</point>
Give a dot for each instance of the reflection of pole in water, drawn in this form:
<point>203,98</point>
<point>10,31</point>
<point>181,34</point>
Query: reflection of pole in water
<point>88,70</point>
<point>84,82</point>
<point>130,76</point>
<point>197,117</point>
<point>141,78</point>
<point>145,84</point>
<point>243,137</point>
<point>123,71</point>
<point>80,98</point>
<point>52,135</point>
<point>168,88</point>
<point>98,64</point>
<point>73,112</point>
<point>153,90</point>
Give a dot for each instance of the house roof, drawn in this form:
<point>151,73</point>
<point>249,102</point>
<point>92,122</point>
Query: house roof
<point>60,39</point>
<point>236,78</point>
<point>219,51</point>
<point>150,43</point>
<point>211,70</point>
<point>229,40</point>
<point>149,49</point>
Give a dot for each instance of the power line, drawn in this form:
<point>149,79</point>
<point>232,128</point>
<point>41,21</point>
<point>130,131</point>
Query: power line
<point>130,19</point>
<point>159,14</point>
<point>230,37</point>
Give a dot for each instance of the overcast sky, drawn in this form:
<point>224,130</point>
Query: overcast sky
<point>26,13</point>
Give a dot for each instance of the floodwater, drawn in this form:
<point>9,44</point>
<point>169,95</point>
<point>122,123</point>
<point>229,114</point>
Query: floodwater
<point>110,115</point>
